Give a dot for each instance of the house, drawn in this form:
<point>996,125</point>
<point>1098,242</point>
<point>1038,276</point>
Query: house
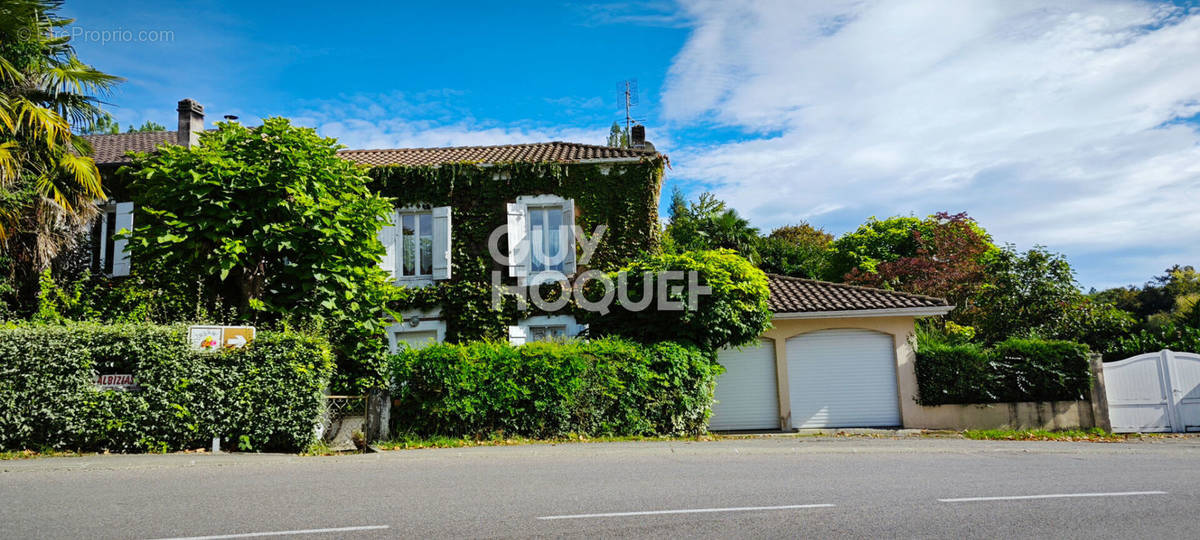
<point>836,356</point>
<point>449,202</point>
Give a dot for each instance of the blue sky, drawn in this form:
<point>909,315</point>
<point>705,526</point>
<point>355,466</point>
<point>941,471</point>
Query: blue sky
<point>1071,125</point>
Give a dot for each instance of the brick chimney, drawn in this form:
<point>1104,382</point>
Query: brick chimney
<point>637,138</point>
<point>191,123</point>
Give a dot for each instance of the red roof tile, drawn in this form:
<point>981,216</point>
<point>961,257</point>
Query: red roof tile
<point>798,295</point>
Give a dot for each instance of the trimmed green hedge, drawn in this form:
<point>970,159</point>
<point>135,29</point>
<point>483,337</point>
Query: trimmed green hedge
<point>267,396</point>
<point>1014,370</point>
<point>550,389</point>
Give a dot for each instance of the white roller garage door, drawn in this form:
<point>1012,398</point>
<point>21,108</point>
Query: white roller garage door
<point>746,395</point>
<point>843,378</point>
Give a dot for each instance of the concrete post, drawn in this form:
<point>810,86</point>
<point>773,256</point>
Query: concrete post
<point>377,424</point>
<point>1098,393</point>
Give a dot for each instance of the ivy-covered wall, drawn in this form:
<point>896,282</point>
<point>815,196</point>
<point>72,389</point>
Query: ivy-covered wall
<point>621,195</point>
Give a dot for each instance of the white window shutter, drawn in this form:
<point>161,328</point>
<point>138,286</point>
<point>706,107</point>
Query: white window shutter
<point>568,223</point>
<point>441,242</point>
<point>518,240</point>
<point>124,224</point>
<point>517,335</point>
<point>387,236</point>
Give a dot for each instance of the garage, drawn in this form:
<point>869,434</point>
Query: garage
<point>746,396</point>
<point>843,377</point>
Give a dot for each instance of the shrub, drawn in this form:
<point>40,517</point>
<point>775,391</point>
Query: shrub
<point>550,389</point>
<point>1013,370</point>
<point>1168,336</point>
<point>734,313</point>
<point>267,395</point>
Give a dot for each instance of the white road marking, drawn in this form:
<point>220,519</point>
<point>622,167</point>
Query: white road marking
<point>690,511</point>
<point>1054,496</point>
<point>281,533</point>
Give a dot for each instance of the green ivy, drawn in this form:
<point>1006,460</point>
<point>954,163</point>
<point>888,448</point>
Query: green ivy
<point>621,196</point>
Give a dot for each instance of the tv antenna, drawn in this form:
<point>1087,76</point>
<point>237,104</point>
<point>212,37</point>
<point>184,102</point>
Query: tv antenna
<point>629,96</point>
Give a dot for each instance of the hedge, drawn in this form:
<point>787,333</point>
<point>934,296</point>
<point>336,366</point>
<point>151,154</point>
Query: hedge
<point>267,396</point>
<point>1014,370</point>
<point>550,389</point>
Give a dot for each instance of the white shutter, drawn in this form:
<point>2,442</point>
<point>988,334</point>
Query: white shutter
<point>518,240</point>
<point>441,242</point>
<point>568,223</point>
<point>124,224</point>
<point>517,335</point>
<point>387,236</point>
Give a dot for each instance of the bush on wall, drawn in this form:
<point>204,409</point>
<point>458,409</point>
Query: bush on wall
<point>267,396</point>
<point>735,312</point>
<point>550,389</point>
<point>1014,370</point>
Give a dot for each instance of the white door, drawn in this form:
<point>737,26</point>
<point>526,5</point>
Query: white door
<point>746,396</point>
<point>843,378</point>
<point>1154,392</point>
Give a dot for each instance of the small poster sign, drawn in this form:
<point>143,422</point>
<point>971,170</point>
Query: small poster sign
<point>214,338</point>
<point>115,381</point>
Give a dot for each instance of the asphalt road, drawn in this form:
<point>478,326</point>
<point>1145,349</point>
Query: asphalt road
<point>776,487</point>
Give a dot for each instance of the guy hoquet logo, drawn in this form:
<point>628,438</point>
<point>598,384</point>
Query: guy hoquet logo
<point>543,259</point>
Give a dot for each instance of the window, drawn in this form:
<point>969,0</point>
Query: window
<point>547,332</point>
<point>416,244</point>
<point>108,253</point>
<point>417,329</point>
<point>546,238</point>
<point>416,340</point>
<point>544,328</point>
<point>541,238</point>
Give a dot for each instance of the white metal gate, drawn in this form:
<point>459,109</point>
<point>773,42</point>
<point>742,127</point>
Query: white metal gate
<point>1154,392</point>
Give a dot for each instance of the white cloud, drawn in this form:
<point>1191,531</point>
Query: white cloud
<point>424,120</point>
<point>1054,123</point>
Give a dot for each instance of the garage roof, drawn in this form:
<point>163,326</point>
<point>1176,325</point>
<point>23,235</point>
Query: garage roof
<point>798,295</point>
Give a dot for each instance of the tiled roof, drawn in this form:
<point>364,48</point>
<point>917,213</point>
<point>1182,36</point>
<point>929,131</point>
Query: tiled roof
<point>531,152</point>
<point>110,149</point>
<point>798,295</point>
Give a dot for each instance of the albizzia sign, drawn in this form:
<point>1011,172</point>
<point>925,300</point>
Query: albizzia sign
<point>544,260</point>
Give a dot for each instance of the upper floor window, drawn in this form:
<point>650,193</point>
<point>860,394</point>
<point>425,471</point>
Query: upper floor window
<point>541,238</point>
<point>418,245</point>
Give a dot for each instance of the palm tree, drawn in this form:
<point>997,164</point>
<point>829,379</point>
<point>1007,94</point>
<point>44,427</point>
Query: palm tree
<point>48,184</point>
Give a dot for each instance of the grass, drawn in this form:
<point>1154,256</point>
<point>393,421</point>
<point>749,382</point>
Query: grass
<point>409,441</point>
<point>31,454</point>
<point>1091,435</point>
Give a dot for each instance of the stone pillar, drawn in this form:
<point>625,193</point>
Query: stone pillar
<point>377,425</point>
<point>1098,393</point>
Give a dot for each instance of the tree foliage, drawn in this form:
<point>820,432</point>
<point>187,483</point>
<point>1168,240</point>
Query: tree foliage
<point>800,250</point>
<point>617,137</point>
<point>942,256</point>
<point>48,184</point>
<point>1035,294</point>
<point>270,222</point>
<point>707,223</point>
